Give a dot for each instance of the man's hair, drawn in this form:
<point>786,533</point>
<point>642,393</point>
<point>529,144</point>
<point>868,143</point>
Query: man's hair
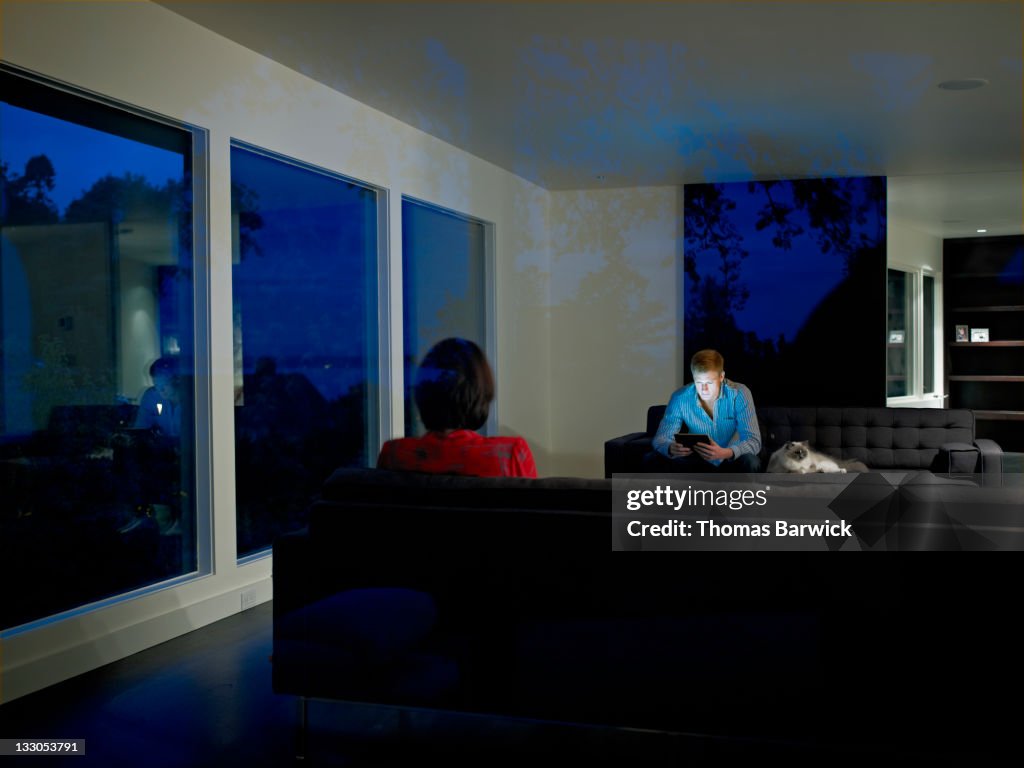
<point>454,386</point>
<point>164,366</point>
<point>707,360</point>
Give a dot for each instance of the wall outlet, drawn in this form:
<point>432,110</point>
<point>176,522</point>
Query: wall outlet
<point>248,598</point>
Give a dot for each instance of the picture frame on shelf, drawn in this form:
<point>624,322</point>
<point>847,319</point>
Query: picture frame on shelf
<point>896,337</point>
<point>979,334</point>
<point>962,333</point>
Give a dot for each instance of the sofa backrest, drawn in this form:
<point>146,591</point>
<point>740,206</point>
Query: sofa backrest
<point>654,416</point>
<point>502,514</point>
<point>350,484</point>
<point>78,429</point>
<point>882,438</point>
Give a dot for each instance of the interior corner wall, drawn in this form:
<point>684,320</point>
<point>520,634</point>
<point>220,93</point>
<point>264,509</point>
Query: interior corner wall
<point>616,316</point>
<point>146,56</point>
<point>912,247</point>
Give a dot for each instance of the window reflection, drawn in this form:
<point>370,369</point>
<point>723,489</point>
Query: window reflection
<point>443,287</point>
<point>95,285</point>
<point>304,294</point>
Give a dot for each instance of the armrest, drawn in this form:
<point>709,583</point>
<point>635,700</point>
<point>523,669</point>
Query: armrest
<point>625,453</point>
<point>292,572</point>
<point>991,463</point>
<point>626,438</point>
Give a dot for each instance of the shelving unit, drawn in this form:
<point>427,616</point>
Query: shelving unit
<point>984,288</point>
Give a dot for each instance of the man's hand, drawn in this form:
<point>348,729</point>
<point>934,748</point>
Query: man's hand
<point>678,449</point>
<point>712,451</point>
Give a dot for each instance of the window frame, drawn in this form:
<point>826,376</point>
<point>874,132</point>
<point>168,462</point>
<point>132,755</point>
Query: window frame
<point>383,341</point>
<point>915,276</point>
<point>489,300</point>
<point>202,305</point>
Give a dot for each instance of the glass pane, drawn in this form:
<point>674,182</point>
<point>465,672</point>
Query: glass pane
<point>96,454</point>
<point>305,311</point>
<point>928,335</point>
<point>898,328</point>
<point>443,287</point>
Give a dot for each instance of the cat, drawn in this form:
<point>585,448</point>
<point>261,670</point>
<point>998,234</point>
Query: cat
<point>798,456</point>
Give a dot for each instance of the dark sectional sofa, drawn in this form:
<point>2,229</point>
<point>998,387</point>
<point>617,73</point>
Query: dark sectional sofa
<point>882,438</point>
<point>503,596</point>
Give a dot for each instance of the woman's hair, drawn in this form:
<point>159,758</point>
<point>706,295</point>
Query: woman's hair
<point>454,386</point>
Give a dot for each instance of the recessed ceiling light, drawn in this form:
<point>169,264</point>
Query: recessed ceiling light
<point>963,84</point>
<point>982,230</point>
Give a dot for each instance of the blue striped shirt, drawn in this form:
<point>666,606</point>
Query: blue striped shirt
<point>733,426</point>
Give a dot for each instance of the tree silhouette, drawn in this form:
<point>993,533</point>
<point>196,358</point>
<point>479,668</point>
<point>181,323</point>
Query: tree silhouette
<point>775,213</point>
<point>25,199</point>
<point>714,298</point>
<point>710,228</point>
<point>115,198</point>
<point>836,214</point>
<point>245,203</point>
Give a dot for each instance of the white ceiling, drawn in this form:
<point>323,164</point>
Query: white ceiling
<point>576,95</point>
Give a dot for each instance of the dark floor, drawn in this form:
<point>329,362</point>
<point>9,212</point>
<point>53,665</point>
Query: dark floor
<point>205,699</point>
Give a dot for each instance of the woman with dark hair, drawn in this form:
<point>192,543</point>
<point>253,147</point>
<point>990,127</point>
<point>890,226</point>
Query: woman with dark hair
<point>454,389</point>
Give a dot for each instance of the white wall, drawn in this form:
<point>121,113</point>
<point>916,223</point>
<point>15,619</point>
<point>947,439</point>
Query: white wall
<point>147,56</point>
<point>615,316</point>
<point>913,247</point>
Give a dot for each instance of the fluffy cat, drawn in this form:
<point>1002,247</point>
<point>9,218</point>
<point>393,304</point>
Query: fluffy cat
<point>797,456</point>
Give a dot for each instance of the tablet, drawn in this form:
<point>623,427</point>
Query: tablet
<point>690,439</point>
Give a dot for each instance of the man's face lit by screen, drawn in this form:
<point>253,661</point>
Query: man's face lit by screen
<point>709,384</point>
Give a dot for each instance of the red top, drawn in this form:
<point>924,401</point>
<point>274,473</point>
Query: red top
<point>461,452</point>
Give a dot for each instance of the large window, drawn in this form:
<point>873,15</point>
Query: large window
<point>780,273</point>
<point>912,334</point>
<point>97,351</point>
<point>304,283</point>
<point>444,288</point>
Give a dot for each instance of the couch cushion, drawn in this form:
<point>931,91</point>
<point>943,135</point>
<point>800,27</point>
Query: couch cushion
<point>79,429</point>
<point>375,625</point>
<point>956,458</point>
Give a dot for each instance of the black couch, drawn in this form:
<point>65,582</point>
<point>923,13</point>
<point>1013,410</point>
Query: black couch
<point>882,438</point>
<point>502,596</point>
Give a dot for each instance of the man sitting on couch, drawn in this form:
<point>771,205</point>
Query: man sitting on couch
<point>714,406</point>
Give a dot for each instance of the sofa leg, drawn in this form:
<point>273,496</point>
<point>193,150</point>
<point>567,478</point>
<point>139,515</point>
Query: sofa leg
<point>300,735</point>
